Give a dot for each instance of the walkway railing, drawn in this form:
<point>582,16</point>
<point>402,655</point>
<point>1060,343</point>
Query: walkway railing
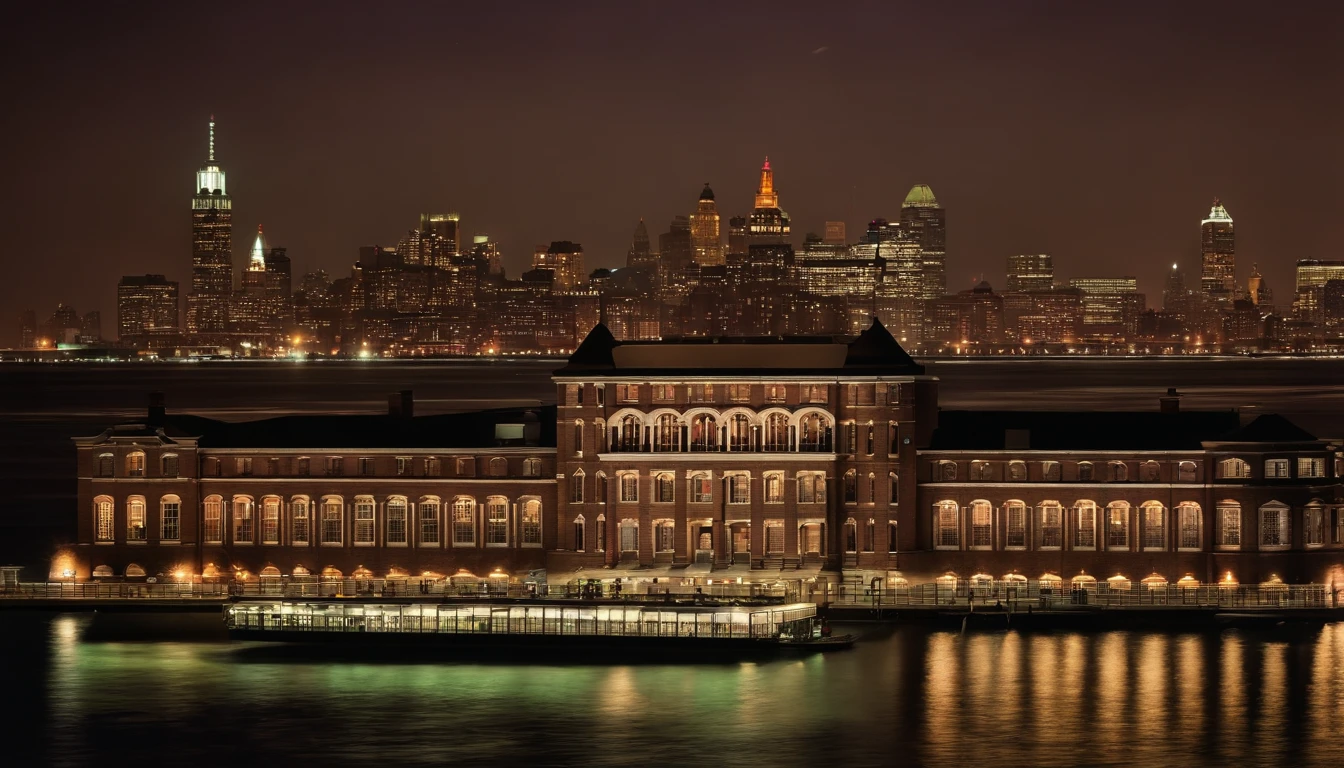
<point>1050,595</point>
<point>118,590</point>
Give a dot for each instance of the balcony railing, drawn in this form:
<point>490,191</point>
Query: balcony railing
<point>1020,595</point>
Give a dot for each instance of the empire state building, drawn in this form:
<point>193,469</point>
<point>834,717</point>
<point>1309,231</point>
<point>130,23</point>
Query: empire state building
<point>211,252</point>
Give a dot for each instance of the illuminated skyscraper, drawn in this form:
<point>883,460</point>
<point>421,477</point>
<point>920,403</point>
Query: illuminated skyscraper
<point>640,255</point>
<point>1031,272</point>
<point>926,222</point>
<point>146,309</point>
<point>768,223</point>
<point>211,252</point>
<point>565,259</point>
<point>705,243</point>
<point>835,233</point>
<point>248,315</point>
<point>482,247</point>
<point>1218,246</point>
<point>442,233</point>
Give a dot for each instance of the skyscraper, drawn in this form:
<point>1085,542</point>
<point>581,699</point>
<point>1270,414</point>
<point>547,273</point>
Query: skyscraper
<point>248,310</point>
<point>640,254</point>
<point>768,223</point>
<point>211,252</point>
<point>1031,272</point>
<point>835,233</point>
<point>1218,247</point>
<point>705,243</point>
<point>565,259</point>
<point>926,221</point>
<point>146,309</point>
<point>443,233</point>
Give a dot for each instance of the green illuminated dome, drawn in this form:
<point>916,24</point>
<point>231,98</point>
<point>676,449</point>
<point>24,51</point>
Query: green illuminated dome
<point>921,196</point>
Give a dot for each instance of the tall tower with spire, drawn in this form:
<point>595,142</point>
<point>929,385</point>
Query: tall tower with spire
<point>211,252</point>
<point>1218,247</point>
<point>640,254</point>
<point>706,244</point>
<point>768,223</point>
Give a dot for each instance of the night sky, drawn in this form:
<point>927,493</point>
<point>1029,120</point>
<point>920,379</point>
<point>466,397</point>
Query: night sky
<point>1099,133</point>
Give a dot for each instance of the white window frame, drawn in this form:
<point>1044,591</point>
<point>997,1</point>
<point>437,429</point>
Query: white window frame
<point>1229,511</point>
<point>529,527</point>
<point>664,487</point>
<point>270,504</point>
<point>136,508</point>
<point>463,526</point>
<point>1085,516</point>
<point>1234,468</point>
<point>242,520</point>
<point>300,509</point>
<point>947,525</point>
<point>170,526</point>
<point>1185,511</point>
<point>496,521</point>
<point>1126,519</point>
<point>1052,520</point>
<point>1283,533</point>
<point>366,522</point>
<point>701,488</point>
<point>981,514</point>
<point>772,487</point>
<point>1014,525</point>
<point>213,520</point>
<point>1310,467</point>
<point>1277,469</point>
<point>430,528</point>
<point>739,488</point>
<point>1154,542</point>
<point>331,510</point>
<point>633,527</point>
<point>628,483</point>
<point>390,516</point>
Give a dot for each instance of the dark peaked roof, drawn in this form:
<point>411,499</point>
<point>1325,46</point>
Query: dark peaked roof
<point>1105,430</point>
<point>1269,428</point>
<point>873,352</point>
<point>707,193</point>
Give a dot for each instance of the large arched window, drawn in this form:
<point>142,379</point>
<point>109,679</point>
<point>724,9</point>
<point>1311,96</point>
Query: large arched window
<point>299,521</point>
<point>1229,524</point>
<point>704,432</point>
<point>739,432</point>
<point>333,520</point>
<point>496,521</point>
<point>170,518</point>
<point>270,520</point>
<point>1154,518</point>
<point>579,538</point>
<point>982,524</point>
<point>395,513</point>
<point>243,522</point>
<point>664,488</point>
<point>365,523</point>
<point>775,433</point>
<point>666,433</point>
<point>814,433</point>
<point>1085,524</point>
<point>1189,527</point>
<point>947,525</point>
<point>1117,525</point>
<point>530,529</point>
<point>629,485</point>
<point>429,521</point>
<point>213,520</point>
<point>135,464</point>
<point>1234,469</point>
<point>103,525</point>
<point>1015,524</point>
<point>811,488</point>
<point>630,429</point>
<point>1274,526</point>
<point>774,487</point>
<point>851,487</point>
<point>464,522</point>
<point>739,488</point>
<point>1052,525</point>
<point>576,487</point>
<point>701,488</point>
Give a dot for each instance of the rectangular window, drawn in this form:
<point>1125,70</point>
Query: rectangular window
<point>982,526</point>
<point>1085,534</point>
<point>395,512</point>
<point>814,393</point>
<point>947,536</point>
<point>1276,468</point>
<point>629,538</point>
<point>1154,527</point>
<point>664,393</point>
<point>464,523</point>
<point>739,489</point>
<point>366,466</point>
<point>627,393</point>
<point>244,466</point>
<point>666,488</point>
<point>666,540</point>
<point>105,465</point>
<point>270,521</point>
<point>702,393</point>
<point>739,393</point>
<point>1117,528</point>
<point>871,444</point>
<point>1230,531</point>
<point>431,467</point>
<point>1188,521</point>
<point>1052,526</point>
<point>214,524</point>
<point>135,520</point>
<point>702,489</point>
<point>335,465</point>
<point>404,466</point>
<point>851,438</point>
<point>1310,467</point>
<point>774,488</point>
<point>1274,527</point>
<point>298,513</point>
<point>496,523</point>
<point>273,467</point>
<point>600,535</point>
<point>363,522</point>
<point>1313,532</point>
<point>531,529</point>
<point>774,393</point>
<point>333,510</point>
<point>1016,535</point>
<point>135,465</point>
<point>301,466</point>
<point>242,521</point>
<point>1338,527</point>
<point>630,487</point>
<point>774,539</point>
<point>429,522</point>
<point>170,518</point>
<point>170,465</point>
<point>466,467</point>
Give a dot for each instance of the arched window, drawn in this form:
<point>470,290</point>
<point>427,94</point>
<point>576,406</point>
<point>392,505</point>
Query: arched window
<point>1154,518</point>
<point>1050,471</point>
<point>1186,472</point>
<point>298,521</point>
<point>1313,524</point>
<point>364,521</point>
<point>851,536</point>
<point>872,488</point>
<point>701,488</point>
<point>870,443</point>
<point>1117,525</point>
<point>105,463</point>
<point>429,521</point>
<point>243,510</point>
<point>947,525</point>
<point>600,533</point>
<point>774,487</point>
<point>1150,472</point>
<point>666,433</point>
<point>395,513</point>
<point>814,433</point>
<point>135,464</point>
<point>168,465</point>
<point>982,471</point>
<point>1274,526</point>
<point>532,468</point>
<point>1189,526</point>
<point>1119,471</point>
<point>531,523</point>
<point>893,488</point>
<point>947,471</point>
<point>1017,470</point>
<point>664,536</point>
<point>630,430</point>
<point>170,518</point>
<point>1015,524</point>
<point>333,520</point>
<point>496,521</point>
<point>1085,472</point>
<point>579,539</point>
<point>775,435</point>
<point>893,543</point>
<point>739,489</point>
<point>576,487</point>
<point>1085,525</point>
<point>704,432</point>
<point>103,525</point>
<point>578,438</point>
<point>664,488</point>
<point>270,520</point>
<point>739,432</point>
<point>629,535</point>
<point>213,514</point>
<point>851,487</point>
<point>982,524</point>
<point>1051,525</point>
<point>499,466</point>
<point>811,488</point>
<point>1234,469</point>
<point>629,483</point>
<point>1229,524</point>
<point>464,522</point>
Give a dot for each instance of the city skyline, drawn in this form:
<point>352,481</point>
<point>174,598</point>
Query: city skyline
<point>1033,176</point>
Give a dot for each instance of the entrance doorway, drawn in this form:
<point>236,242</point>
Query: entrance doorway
<point>704,543</point>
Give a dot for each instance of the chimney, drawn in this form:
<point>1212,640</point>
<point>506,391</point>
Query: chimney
<point>1171,402</point>
<point>401,404</point>
<point>157,410</point>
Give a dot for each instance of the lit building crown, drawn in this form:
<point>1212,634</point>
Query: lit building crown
<point>258,261</point>
<point>210,178</point>
<point>765,193</point>
<point>1217,214</point>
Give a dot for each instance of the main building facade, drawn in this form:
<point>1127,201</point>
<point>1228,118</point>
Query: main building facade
<point>758,460</point>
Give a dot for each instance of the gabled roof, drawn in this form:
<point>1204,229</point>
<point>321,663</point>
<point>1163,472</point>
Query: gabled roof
<point>874,352</point>
<point>1269,428</point>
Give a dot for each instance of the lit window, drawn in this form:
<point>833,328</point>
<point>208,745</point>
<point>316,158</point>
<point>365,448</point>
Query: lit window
<point>270,520</point>
<point>364,518</point>
<point>1234,469</point>
<point>811,488</point>
<point>947,524</point>
<point>814,433</point>
<point>396,520</point>
<point>1276,468</point>
<point>600,534</point>
<point>464,522</point>
<point>739,393</point>
<point>664,393</point>
<point>774,538</point>
<point>627,393</point>
<point>629,483</point>
<point>1052,525</point>
<point>1085,531</point>
<point>1190,526</point>
<point>1310,467</point>
<point>1050,471</point>
<point>775,434</point>
<point>1154,518</point>
<point>664,537</point>
<point>103,518</point>
<point>702,489</point>
<point>214,520</point>
<point>1015,535</point>
<point>429,521</point>
<point>333,520</point>
<point>629,536</point>
<point>242,520</point>
<point>739,489</point>
<point>170,518</point>
<point>496,521</point>
<point>298,517</point>
<point>774,487</point>
<point>135,518</point>
<point>982,525</point>
<point>1229,521</point>
<point>1274,530</point>
<point>531,528</point>
<point>135,464</point>
<point>664,488</point>
<point>1117,525</point>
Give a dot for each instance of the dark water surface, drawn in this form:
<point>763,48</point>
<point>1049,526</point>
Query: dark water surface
<point>904,697</point>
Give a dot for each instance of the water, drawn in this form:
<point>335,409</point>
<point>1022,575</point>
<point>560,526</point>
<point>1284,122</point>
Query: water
<point>902,696</point>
